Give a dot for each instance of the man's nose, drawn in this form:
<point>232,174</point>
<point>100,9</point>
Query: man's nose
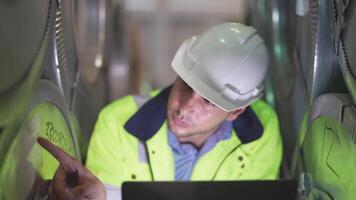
<point>190,102</point>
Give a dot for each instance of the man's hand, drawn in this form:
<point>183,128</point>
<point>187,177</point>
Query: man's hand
<point>72,180</point>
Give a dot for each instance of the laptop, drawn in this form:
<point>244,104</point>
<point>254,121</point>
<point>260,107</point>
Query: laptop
<point>211,190</point>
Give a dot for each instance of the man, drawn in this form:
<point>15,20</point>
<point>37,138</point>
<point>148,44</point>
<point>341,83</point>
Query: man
<point>209,125</point>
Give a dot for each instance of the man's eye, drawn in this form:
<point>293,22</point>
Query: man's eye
<point>187,86</point>
<point>208,102</point>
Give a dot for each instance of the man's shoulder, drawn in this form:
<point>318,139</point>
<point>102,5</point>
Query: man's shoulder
<point>120,107</point>
<point>271,137</point>
<point>264,111</point>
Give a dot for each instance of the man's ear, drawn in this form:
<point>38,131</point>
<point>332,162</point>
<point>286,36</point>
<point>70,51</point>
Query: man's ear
<point>234,114</point>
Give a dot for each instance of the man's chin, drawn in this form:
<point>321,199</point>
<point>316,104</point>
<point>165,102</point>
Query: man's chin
<point>177,130</point>
<point>180,132</point>
<point>181,135</point>
<point>184,138</point>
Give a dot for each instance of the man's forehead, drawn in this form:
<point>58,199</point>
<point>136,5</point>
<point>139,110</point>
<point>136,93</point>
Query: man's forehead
<point>196,92</point>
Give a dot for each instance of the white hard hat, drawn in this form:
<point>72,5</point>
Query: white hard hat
<point>226,65</point>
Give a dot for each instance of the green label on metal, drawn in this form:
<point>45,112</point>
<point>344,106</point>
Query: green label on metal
<point>26,161</point>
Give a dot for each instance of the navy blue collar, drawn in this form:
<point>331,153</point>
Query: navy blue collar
<point>150,117</point>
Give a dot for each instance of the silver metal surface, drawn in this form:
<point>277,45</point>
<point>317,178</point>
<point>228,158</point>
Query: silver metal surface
<point>278,23</point>
<point>289,86</point>
<point>22,27</point>
<point>282,45</point>
<point>89,92</point>
<point>77,97</point>
<point>91,31</point>
<point>86,105</point>
<point>302,7</point>
<point>13,101</point>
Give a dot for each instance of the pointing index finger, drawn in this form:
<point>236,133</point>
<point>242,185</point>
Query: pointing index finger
<point>58,153</point>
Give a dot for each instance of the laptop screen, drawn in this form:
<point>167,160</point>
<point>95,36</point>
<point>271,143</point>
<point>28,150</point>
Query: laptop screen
<point>208,190</point>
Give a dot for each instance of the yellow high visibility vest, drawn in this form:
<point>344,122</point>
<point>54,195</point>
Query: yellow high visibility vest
<point>131,144</point>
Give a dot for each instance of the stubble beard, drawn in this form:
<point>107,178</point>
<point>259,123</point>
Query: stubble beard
<point>186,134</point>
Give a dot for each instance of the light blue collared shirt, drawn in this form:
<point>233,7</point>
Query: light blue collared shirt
<point>186,155</point>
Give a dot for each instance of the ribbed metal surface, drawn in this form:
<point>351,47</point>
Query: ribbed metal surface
<point>324,73</point>
<point>310,44</point>
<point>66,51</point>
<point>67,78</point>
<point>347,46</point>
<point>349,77</point>
<point>348,36</point>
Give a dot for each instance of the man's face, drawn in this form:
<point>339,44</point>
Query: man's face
<point>190,114</point>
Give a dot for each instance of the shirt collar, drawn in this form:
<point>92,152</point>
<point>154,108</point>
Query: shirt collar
<point>150,117</point>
